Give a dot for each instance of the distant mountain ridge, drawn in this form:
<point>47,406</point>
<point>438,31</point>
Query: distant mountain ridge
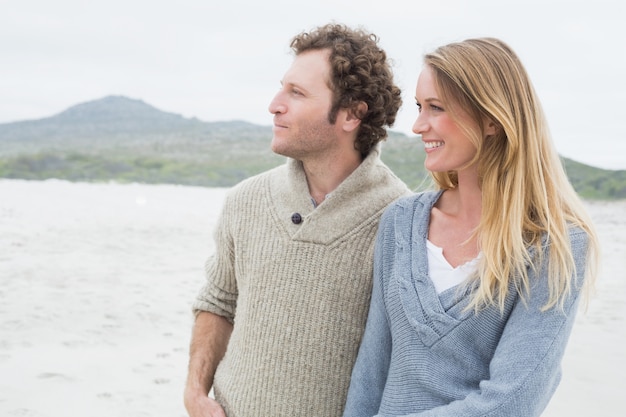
<point>115,107</point>
<point>111,115</point>
<point>124,139</point>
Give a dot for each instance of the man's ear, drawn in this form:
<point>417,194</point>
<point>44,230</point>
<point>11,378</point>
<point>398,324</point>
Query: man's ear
<point>354,116</point>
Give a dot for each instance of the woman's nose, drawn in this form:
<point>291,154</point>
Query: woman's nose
<point>420,125</point>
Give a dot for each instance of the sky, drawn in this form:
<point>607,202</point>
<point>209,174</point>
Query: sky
<point>223,60</point>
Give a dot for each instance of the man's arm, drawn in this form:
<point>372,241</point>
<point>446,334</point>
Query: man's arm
<point>208,344</point>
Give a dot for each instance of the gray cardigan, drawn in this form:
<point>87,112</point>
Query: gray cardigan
<point>423,355</point>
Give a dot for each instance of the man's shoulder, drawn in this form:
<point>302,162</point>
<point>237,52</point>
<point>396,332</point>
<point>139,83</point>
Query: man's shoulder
<point>252,184</point>
<point>380,178</point>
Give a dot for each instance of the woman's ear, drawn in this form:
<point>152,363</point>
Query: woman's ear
<point>491,127</point>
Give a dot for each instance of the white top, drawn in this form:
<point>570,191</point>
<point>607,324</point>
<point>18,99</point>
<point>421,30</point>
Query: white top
<point>442,274</point>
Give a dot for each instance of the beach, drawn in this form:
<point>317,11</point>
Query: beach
<point>96,283</point>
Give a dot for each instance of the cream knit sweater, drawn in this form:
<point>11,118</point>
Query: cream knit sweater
<point>298,294</point>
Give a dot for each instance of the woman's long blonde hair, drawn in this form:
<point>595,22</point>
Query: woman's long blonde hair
<point>526,195</point>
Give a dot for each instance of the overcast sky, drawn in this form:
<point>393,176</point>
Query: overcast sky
<point>223,60</point>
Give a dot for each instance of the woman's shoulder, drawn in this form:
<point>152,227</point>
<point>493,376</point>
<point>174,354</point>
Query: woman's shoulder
<point>411,201</point>
<point>579,240</point>
<point>406,208</point>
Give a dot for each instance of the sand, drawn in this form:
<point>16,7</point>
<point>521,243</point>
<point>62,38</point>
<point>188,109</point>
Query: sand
<point>96,282</point>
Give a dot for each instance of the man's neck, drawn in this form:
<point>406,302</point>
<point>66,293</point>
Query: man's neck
<point>323,177</point>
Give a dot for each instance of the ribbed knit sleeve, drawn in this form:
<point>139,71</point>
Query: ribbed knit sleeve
<point>219,294</point>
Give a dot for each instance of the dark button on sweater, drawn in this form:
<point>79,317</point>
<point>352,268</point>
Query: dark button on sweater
<point>296,218</point>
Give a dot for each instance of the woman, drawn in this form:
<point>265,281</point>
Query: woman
<point>476,284</point>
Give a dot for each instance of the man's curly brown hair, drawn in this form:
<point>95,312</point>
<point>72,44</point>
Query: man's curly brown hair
<point>359,72</point>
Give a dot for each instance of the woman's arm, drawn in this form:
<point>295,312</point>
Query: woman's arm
<point>372,364</point>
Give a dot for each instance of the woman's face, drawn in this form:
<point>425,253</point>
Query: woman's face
<point>448,148</point>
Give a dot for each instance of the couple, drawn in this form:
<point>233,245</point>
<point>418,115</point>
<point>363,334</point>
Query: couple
<point>475,284</point>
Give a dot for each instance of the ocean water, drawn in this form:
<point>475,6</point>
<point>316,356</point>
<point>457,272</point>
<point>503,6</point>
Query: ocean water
<point>96,282</point>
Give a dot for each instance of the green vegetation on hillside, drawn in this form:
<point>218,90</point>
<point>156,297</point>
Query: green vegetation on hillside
<point>123,168</point>
<point>595,183</point>
<point>125,140</point>
<point>218,165</point>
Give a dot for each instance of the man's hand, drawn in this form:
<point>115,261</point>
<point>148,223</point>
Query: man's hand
<point>208,343</point>
<point>200,405</point>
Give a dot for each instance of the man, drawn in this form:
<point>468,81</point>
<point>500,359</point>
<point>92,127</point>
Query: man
<point>280,319</point>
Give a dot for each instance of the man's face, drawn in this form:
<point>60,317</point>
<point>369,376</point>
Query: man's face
<point>301,106</point>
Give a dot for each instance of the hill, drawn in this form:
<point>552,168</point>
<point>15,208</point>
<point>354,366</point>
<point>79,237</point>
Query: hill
<point>127,140</point>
